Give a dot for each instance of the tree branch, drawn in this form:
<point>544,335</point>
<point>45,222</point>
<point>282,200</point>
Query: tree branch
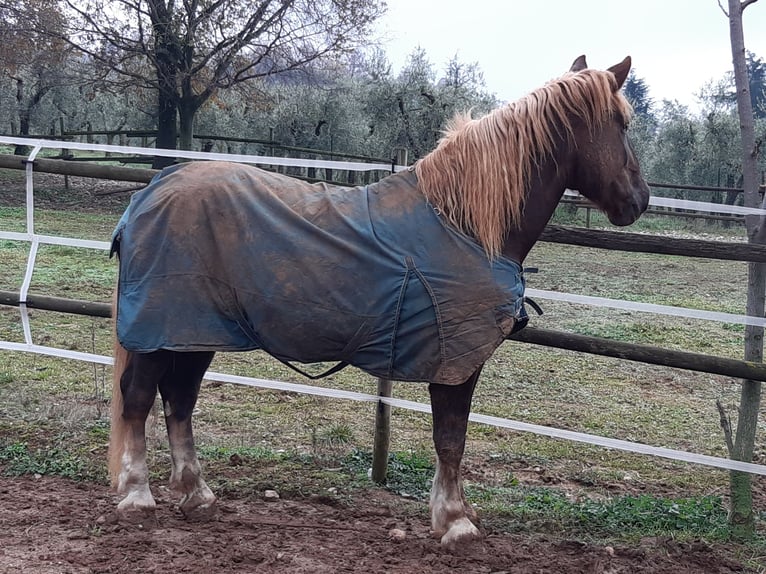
<point>746,3</point>
<point>722,8</point>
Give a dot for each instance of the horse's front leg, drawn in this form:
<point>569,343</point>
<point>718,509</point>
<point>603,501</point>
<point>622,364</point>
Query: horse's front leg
<point>452,518</point>
<point>179,390</point>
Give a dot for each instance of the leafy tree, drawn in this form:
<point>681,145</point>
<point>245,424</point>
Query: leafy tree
<point>356,105</point>
<point>725,92</point>
<point>91,107</point>
<point>643,126</point>
<point>188,51</point>
<point>719,158</point>
<point>415,104</point>
<point>756,70</point>
<point>32,60</point>
<point>674,146</point>
<point>637,92</point>
<point>420,103</point>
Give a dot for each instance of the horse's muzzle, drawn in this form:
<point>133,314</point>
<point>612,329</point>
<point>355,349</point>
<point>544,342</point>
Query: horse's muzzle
<point>633,208</point>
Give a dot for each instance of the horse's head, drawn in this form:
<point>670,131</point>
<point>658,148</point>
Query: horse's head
<point>604,168</point>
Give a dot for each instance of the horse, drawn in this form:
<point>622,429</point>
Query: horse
<point>321,272</point>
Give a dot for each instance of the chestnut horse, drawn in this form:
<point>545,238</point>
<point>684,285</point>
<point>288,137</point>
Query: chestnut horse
<point>490,186</point>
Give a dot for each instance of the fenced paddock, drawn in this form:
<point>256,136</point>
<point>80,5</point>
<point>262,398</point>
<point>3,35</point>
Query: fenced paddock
<point>579,322</point>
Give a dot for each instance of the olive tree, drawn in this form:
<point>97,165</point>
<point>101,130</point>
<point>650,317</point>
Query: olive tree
<point>32,60</point>
<point>186,52</point>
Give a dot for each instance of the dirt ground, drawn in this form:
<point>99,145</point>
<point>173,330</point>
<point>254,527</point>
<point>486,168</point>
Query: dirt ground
<point>54,525</point>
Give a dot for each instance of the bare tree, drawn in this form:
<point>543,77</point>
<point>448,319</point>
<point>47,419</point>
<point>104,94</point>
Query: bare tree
<point>187,50</point>
<point>742,443</point>
<point>34,62</point>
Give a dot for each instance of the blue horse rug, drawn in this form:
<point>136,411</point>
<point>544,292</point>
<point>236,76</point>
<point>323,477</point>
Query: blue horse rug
<point>227,257</point>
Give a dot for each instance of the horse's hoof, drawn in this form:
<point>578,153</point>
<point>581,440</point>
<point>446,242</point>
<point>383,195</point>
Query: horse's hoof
<point>460,532</point>
<point>137,508</point>
<point>201,513</point>
<point>199,509</point>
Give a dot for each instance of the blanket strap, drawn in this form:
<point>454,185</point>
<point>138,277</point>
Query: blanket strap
<point>331,371</point>
<point>348,351</point>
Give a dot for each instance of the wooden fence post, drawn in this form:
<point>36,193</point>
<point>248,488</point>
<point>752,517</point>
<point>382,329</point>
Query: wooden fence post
<point>401,156</point>
<point>382,433</point>
<point>64,152</point>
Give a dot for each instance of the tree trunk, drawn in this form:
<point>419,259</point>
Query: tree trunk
<point>23,114</point>
<point>186,113</point>
<point>741,516</point>
<point>167,125</point>
<point>166,54</point>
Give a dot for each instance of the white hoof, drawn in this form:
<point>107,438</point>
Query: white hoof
<point>460,532</point>
<point>137,507</point>
<point>199,505</point>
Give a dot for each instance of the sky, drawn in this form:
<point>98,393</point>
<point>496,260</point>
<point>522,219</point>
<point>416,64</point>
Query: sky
<point>677,46</point>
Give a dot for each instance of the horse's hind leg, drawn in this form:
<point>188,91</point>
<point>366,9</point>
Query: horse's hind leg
<point>179,390</point>
<point>136,380</point>
<point>452,518</point>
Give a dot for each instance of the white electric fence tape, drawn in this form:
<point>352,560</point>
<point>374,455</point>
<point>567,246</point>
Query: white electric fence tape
<point>32,257</point>
<point>30,189</point>
<point>701,206</point>
<point>185,154</point>
<point>704,206</point>
<point>519,426</point>
<point>646,307</point>
<point>51,240</point>
<point>25,325</point>
<point>56,352</point>
<point>35,240</point>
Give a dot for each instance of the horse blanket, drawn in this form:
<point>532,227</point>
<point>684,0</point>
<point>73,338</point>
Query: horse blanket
<point>227,257</point>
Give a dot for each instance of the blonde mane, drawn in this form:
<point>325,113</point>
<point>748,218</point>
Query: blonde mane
<point>478,174</point>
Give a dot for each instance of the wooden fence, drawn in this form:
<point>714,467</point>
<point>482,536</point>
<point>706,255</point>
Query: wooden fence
<point>589,238</point>
<point>601,239</point>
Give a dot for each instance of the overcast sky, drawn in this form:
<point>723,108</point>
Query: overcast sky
<point>676,45</point>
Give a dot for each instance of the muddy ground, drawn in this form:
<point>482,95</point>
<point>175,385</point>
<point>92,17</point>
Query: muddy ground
<point>55,525</point>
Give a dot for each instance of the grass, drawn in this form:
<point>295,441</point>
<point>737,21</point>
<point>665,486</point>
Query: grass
<point>655,224</point>
<point>53,412</point>
<point>409,473</point>
<point>634,517</point>
<point>19,459</point>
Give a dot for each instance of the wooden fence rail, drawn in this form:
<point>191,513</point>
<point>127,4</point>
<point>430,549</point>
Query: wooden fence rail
<point>534,335</point>
<point>62,167</point>
<point>602,239</point>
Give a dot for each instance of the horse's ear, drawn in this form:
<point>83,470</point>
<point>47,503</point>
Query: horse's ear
<point>579,65</point>
<point>620,71</point>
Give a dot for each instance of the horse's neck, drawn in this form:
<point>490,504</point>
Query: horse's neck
<point>545,190</point>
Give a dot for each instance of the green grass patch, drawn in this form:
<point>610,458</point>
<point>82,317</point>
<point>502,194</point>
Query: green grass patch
<point>215,452</point>
<point>514,506</point>
<point>409,472</point>
<point>627,517</point>
<point>19,459</point>
<point>651,223</point>
<point>12,219</point>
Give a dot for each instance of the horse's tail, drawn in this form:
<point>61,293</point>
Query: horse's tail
<point>118,426</point>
